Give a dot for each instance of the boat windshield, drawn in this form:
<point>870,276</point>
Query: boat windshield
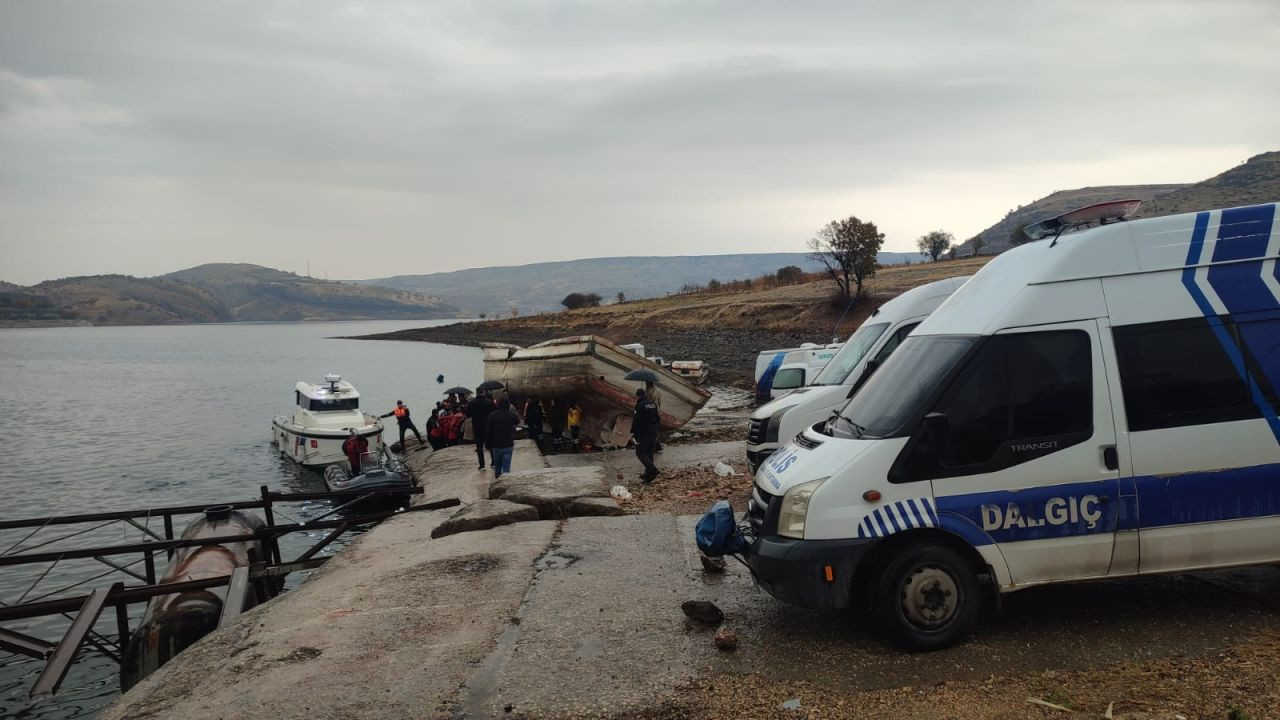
<point>882,407</point>
<point>330,404</point>
<point>850,354</point>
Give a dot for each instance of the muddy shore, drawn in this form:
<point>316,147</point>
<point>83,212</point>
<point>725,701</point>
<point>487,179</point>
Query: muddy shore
<point>730,352</point>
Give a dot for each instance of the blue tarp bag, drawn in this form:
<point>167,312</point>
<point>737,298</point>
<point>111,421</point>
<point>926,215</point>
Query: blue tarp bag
<point>717,532</point>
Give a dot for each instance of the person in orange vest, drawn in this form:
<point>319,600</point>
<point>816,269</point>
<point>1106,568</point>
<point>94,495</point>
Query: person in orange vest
<point>401,412</point>
<point>354,447</point>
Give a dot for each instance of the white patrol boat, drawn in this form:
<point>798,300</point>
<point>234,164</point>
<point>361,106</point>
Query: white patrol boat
<point>323,417</point>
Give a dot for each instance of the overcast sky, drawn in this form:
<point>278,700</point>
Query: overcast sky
<point>390,137</point>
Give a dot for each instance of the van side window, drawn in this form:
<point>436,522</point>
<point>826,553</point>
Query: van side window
<point>1020,397</point>
<point>894,341</point>
<point>1177,373</point>
<point>788,379</point>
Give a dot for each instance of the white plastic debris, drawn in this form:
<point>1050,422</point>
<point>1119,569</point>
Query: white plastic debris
<point>792,704</point>
<point>723,470</point>
<point>619,493</point>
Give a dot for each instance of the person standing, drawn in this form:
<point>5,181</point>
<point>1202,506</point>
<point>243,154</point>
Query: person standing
<point>500,436</point>
<point>533,419</point>
<point>651,389</point>
<point>555,419</point>
<point>354,447</point>
<point>401,412</point>
<point>478,410</point>
<point>645,428</point>
<point>575,422</point>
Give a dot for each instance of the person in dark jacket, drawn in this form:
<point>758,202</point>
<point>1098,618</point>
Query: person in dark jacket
<point>354,447</point>
<point>478,410</point>
<point>401,412</point>
<point>645,429</point>
<point>500,436</point>
<point>533,418</point>
<point>435,433</point>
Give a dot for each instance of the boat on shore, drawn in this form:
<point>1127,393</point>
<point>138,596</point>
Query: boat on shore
<point>588,370</point>
<point>323,417</point>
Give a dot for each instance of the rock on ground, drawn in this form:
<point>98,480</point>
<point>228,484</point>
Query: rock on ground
<point>485,514</point>
<point>552,492</point>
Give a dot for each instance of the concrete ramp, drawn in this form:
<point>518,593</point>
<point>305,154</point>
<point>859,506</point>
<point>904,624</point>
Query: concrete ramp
<point>601,628</point>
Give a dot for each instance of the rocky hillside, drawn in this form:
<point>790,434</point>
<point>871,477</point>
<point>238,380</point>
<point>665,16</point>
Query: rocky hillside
<point>1254,181</point>
<point>540,287</point>
<point>1000,237</point>
<point>253,292</point>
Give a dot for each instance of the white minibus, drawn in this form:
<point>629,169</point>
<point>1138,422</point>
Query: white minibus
<point>1094,404</point>
<point>864,351</point>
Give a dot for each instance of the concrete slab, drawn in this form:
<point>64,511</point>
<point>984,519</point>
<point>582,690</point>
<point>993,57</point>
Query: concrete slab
<point>485,514</point>
<point>391,627</point>
<point>552,491</point>
<point>601,629</point>
<point>451,472</point>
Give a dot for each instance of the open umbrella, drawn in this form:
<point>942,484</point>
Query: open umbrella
<point>641,375</point>
<point>491,385</point>
<point>459,390</point>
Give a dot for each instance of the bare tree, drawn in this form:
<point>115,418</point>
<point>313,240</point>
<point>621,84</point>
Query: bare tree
<point>976,243</point>
<point>847,250</point>
<point>935,243</point>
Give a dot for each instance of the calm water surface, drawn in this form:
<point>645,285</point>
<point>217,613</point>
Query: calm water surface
<point>119,418</point>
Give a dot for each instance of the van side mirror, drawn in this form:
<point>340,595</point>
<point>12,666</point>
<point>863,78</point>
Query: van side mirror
<point>937,427</point>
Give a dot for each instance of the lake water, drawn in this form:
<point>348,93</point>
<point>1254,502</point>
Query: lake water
<point>116,418</point>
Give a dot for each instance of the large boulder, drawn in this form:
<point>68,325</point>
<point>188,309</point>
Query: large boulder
<point>554,491</point>
<point>485,514</point>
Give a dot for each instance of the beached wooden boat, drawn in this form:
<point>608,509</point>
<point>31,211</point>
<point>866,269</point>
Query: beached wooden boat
<point>588,370</point>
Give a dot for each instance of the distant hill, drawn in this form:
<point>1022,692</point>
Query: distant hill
<point>541,286</point>
<point>208,293</point>
<point>998,238</point>
<point>1257,180</point>
<point>253,292</point>
<point>125,300</point>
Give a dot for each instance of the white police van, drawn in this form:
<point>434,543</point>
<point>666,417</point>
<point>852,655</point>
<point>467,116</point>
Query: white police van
<point>865,350</point>
<point>1096,404</point>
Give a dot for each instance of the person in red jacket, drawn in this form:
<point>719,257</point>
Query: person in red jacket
<point>354,447</point>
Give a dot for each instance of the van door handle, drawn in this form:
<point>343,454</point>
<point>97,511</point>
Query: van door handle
<point>1110,458</point>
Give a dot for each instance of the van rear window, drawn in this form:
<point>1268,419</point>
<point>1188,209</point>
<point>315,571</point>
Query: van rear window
<point>1179,373</point>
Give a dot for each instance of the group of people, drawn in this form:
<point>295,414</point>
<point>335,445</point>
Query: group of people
<point>494,425</point>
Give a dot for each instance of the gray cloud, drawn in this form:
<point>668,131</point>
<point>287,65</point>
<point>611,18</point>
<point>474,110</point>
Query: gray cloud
<point>397,137</point>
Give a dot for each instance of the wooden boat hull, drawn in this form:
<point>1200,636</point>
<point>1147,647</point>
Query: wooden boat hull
<point>589,370</point>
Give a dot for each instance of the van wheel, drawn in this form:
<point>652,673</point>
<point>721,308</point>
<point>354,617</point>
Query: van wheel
<point>926,598</point>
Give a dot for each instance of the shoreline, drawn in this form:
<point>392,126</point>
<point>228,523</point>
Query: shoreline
<point>730,352</point>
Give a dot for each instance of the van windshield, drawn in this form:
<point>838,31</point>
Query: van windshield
<point>850,354</point>
<point>895,392</point>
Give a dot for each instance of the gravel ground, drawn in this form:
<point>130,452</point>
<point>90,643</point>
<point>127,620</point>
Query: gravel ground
<point>689,491</point>
<point>1237,684</point>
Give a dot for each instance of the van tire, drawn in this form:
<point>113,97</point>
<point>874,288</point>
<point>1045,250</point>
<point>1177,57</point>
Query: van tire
<point>926,598</point>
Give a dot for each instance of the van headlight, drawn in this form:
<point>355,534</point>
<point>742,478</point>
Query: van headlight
<point>795,507</point>
<point>773,424</point>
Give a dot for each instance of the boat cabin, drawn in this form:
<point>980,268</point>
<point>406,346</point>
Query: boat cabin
<point>335,403</point>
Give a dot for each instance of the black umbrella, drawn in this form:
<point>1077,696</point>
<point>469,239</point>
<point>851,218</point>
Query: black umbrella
<point>491,385</point>
<point>459,390</point>
<point>641,375</point>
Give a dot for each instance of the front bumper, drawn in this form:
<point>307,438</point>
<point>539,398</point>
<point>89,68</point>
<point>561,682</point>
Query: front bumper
<point>794,570</point>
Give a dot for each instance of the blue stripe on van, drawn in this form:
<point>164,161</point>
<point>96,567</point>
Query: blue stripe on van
<point>1243,233</point>
<point>1162,501</point>
<point>1211,496</point>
